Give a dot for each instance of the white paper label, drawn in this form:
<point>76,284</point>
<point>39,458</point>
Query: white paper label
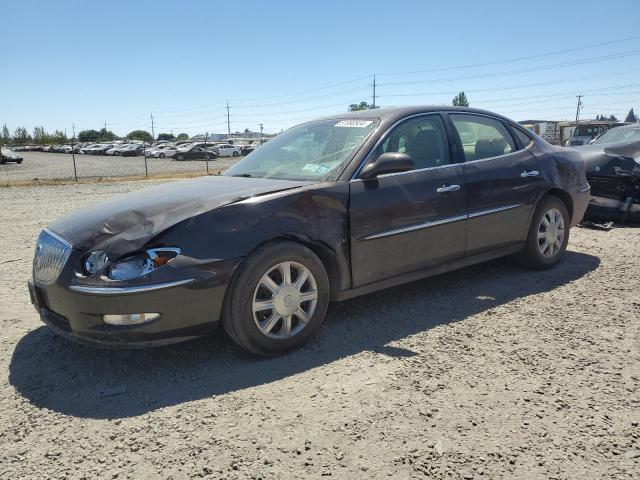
<point>354,123</point>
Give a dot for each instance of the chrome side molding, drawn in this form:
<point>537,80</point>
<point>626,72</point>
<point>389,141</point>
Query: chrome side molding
<point>443,221</point>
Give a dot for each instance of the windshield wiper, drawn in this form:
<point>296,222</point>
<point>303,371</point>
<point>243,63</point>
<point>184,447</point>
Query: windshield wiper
<point>245,175</point>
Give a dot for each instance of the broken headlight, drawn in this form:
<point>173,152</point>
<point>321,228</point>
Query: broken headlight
<point>141,263</point>
<point>95,262</point>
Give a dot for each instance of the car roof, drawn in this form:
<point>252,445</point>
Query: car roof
<point>393,114</point>
<point>629,126</point>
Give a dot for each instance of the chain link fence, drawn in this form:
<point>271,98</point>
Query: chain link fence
<point>41,166</point>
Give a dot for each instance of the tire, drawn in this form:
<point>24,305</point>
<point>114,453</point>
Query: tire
<point>235,154</point>
<point>534,255</point>
<point>161,155</point>
<point>180,157</point>
<point>19,162</point>
<point>207,157</point>
<point>241,322</point>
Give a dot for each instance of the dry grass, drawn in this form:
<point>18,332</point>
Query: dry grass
<point>93,180</point>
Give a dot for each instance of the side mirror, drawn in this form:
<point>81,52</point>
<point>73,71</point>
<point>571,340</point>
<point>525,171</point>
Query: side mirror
<point>390,162</point>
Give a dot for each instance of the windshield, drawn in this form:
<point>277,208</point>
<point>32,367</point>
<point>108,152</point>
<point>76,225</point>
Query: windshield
<point>312,151</point>
<point>616,135</point>
<point>586,131</point>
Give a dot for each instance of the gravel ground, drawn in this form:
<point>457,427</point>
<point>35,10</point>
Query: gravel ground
<point>489,372</point>
<point>39,165</point>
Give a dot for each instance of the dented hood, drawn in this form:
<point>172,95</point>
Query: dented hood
<point>129,221</point>
<point>610,158</point>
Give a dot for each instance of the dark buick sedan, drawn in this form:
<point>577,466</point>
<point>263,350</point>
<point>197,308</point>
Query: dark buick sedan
<point>327,210</point>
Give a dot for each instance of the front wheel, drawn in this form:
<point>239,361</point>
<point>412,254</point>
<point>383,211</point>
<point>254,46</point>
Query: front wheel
<point>207,157</point>
<point>548,235</point>
<point>161,155</point>
<point>180,157</point>
<point>235,154</point>
<point>277,300</point>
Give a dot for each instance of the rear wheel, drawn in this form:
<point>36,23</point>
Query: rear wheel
<point>235,154</point>
<point>207,157</point>
<point>161,155</point>
<point>180,157</point>
<point>548,235</point>
<point>277,300</point>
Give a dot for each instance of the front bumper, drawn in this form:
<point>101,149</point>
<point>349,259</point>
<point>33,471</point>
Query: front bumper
<point>187,310</point>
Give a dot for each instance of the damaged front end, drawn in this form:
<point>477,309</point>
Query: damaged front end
<point>613,171</point>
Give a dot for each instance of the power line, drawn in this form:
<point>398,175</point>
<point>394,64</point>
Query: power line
<point>516,59</point>
<point>522,70</point>
<point>507,87</point>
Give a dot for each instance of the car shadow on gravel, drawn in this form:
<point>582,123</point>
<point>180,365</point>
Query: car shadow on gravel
<point>75,380</point>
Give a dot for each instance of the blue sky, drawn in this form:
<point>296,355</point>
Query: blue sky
<point>279,63</point>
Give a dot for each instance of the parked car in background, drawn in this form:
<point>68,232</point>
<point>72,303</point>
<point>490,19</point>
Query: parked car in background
<point>87,149</point>
<point>194,153</point>
<point>247,149</point>
<point>588,130</point>
<point>133,150</point>
<point>101,149</point>
<point>623,134</point>
<point>8,155</point>
<point>161,151</point>
<point>115,149</point>
<point>328,210</point>
<point>612,162</point>
<point>228,150</point>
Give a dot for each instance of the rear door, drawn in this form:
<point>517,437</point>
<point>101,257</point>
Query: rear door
<point>404,222</point>
<point>504,180</point>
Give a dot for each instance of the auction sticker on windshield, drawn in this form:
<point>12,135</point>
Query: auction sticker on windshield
<point>354,123</point>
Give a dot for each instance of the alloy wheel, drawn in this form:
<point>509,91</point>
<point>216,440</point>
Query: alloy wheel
<point>284,300</point>
<point>551,233</point>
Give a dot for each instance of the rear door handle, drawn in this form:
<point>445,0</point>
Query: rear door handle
<point>448,188</point>
<point>530,173</point>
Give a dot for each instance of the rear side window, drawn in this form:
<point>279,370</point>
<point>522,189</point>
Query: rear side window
<point>524,139</point>
<point>482,137</point>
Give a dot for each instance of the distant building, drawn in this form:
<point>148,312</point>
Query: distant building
<point>547,129</point>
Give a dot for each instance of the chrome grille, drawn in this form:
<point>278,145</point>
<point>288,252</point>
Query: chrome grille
<point>52,252</point>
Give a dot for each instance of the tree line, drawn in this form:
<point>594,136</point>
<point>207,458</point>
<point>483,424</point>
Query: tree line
<point>39,136</point>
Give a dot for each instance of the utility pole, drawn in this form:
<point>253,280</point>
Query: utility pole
<point>261,126</point>
<point>579,97</point>
<point>73,152</point>
<point>105,127</point>
<point>374,92</point>
<point>153,135</point>
<point>228,121</point>
<point>206,136</point>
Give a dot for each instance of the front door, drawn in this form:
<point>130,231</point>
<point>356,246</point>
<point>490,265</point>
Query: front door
<point>503,179</point>
<point>403,222</point>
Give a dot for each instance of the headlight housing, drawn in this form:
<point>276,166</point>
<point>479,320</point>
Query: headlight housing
<point>95,262</point>
<point>141,263</point>
<point>131,266</point>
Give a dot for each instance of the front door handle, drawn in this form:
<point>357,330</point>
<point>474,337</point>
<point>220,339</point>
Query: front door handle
<point>530,173</point>
<point>448,188</point>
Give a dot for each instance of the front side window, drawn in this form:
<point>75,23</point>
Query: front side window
<point>312,151</point>
<point>422,138</point>
<point>482,137</point>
